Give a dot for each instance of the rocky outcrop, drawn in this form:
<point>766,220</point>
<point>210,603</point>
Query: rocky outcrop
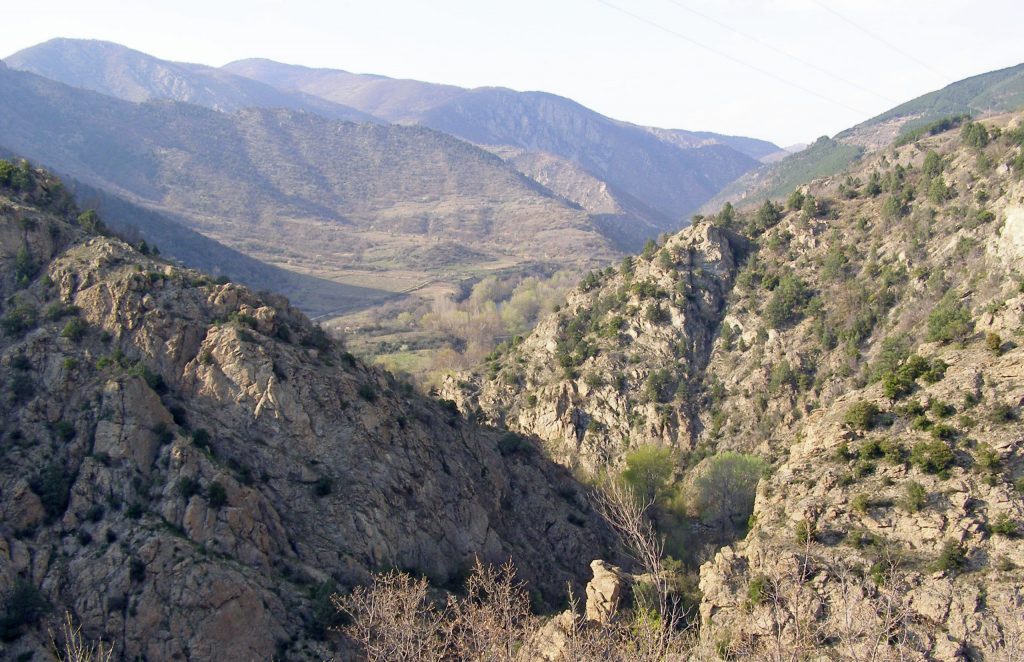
<point>191,469</point>
<point>617,367</point>
<point>858,538</point>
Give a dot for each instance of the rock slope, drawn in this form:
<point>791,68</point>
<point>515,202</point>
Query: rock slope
<point>191,468</point>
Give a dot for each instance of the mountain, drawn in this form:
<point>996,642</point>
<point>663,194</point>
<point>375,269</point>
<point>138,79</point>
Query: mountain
<point>192,469</point>
<point>135,76</point>
<point>851,365</point>
<point>762,150</point>
<point>978,96</point>
<point>319,197</point>
<point>671,178</point>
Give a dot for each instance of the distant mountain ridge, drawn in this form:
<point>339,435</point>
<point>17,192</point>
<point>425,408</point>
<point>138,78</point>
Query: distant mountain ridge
<point>132,75</point>
<point>313,195</point>
<point>983,95</point>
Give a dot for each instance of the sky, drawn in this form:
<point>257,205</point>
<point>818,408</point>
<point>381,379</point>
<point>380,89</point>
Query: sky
<point>782,70</point>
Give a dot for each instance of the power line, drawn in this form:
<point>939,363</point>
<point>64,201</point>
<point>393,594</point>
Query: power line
<point>780,51</point>
<point>884,41</point>
<point>727,56</point>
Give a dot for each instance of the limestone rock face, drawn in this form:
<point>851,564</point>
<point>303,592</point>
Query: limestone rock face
<point>604,591</point>
<point>614,368</point>
<point>191,469</point>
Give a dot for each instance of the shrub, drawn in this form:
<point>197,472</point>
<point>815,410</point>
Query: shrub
<point>23,605</point>
<point>1004,526</point>
<point>893,451</point>
<point>216,495</point>
<point>860,503</point>
<point>862,415</point>
<point>724,493</point>
<point>512,444</point>
<point>74,330</point>
<point>367,392</point>
<point>1003,412</point>
<point>994,343</point>
<point>19,319</point>
<point>914,497</point>
<point>986,457</point>
<point>932,456</point>
<point>952,557</point>
<point>201,438</point>
<point>188,487</point>
<point>949,320</point>
<point>648,470</point>
<point>803,532</point>
<point>757,590</point>
<point>786,306</point>
<point>52,485</point>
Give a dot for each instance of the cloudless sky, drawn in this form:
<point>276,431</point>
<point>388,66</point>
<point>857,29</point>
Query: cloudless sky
<point>672,63</point>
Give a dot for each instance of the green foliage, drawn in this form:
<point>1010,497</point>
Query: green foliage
<point>1003,412</point>
<point>862,415</point>
<point>659,385</point>
<point>986,457</point>
<point>513,444</point>
<point>974,134</point>
<point>25,267</point>
<point>757,590</point>
<point>367,392</point>
<point>188,487</point>
<point>949,320</point>
<point>216,495</point>
<point>23,605</point>
<point>656,314</point>
<point>804,532</point>
<point>74,330</point>
<point>1004,526</point>
<point>90,222</point>
<point>936,127</point>
<point>786,306</point>
<point>795,200</point>
<point>52,485</point>
<point>19,319</point>
<point>914,497</point>
<point>952,557</point>
<point>648,470</point>
<point>723,494</point>
<point>994,343</point>
<point>201,438</point>
<point>932,457</point>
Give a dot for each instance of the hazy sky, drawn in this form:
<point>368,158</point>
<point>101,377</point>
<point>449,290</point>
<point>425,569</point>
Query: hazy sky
<point>784,70</point>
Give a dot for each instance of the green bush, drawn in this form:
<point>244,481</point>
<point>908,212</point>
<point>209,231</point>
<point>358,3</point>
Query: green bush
<point>915,497</point>
<point>804,532</point>
<point>52,485</point>
<point>862,415</point>
<point>512,444</point>
<point>932,456</point>
<point>952,557</point>
<point>949,321</point>
<point>1004,526</point>
<point>367,392</point>
<point>20,319</point>
<point>1003,412</point>
<point>74,330</point>
<point>723,494</point>
<point>648,470</point>
<point>994,343</point>
<point>757,590</point>
<point>216,495</point>
<point>860,503</point>
<point>188,487</point>
<point>23,605</point>
<point>986,457</point>
<point>786,305</point>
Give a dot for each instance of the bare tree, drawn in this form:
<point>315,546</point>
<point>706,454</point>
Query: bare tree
<point>493,619</point>
<point>394,620</point>
<point>73,646</point>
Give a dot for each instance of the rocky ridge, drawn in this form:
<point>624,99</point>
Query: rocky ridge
<point>865,343</point>
<point>191,468</point>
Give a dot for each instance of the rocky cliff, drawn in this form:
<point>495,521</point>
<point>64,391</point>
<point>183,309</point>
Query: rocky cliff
<point>191,468</point>
<point>863,340</point>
